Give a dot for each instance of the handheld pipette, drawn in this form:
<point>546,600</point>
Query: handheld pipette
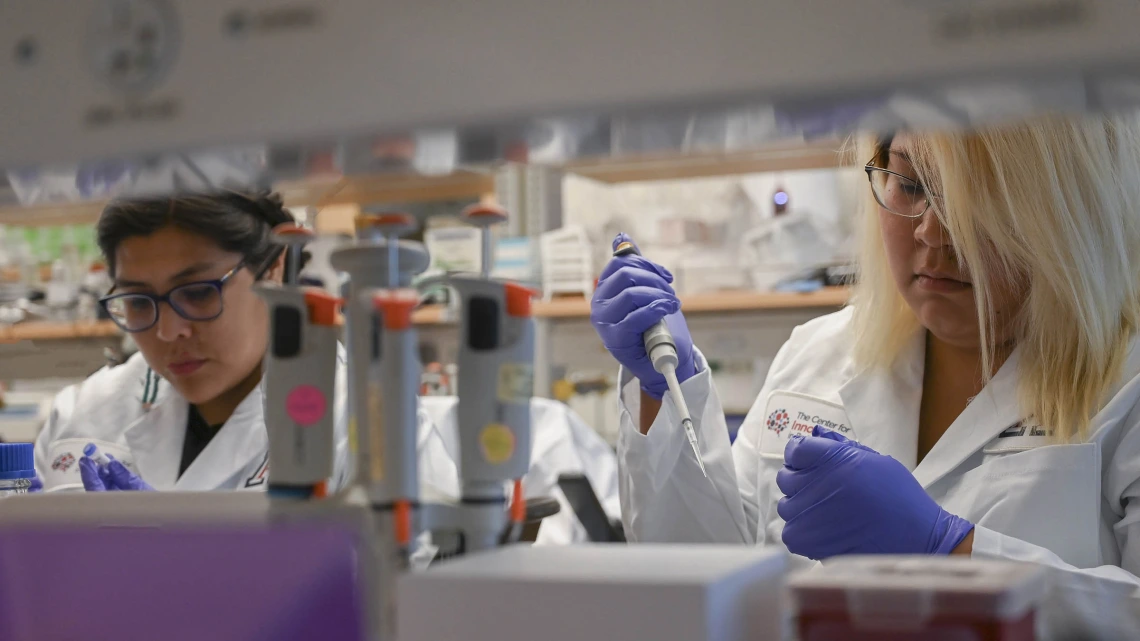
<point>662,350</point>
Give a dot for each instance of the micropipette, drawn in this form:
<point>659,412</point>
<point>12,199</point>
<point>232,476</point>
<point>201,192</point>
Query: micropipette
<point>662,350</point>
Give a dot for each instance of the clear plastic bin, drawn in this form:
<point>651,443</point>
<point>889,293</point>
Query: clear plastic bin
<point>884,598</point>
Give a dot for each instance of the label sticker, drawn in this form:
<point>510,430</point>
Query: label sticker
<point>374,423</point>
<point>516,383</point>
<point>498,443</point>
<point>1019,437</point>
<point>790,413</point>
<point>306,405</point>
<point>64,454</point>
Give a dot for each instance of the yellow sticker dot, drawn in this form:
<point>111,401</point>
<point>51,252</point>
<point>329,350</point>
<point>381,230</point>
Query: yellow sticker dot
<point>498,443</point>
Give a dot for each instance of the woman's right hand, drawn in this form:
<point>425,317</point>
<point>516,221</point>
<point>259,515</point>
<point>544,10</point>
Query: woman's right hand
<point>632,295</point>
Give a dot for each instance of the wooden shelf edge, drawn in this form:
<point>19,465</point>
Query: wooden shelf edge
<point>825,154</point>
<point>713,302</point>
<point>559,308</point>
<point>394,188</point>
<point>83,213</point>
<point>48,330</point>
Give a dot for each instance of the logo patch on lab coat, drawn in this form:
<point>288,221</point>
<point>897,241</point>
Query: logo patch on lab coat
<point>262,473</point>
<point>791,413</point>
<point>1019,437</point>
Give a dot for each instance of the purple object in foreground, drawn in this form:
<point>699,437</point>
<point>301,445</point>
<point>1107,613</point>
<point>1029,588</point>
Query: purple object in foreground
<point>235,584</point>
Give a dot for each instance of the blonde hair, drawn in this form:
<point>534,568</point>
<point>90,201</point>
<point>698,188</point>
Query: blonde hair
<point>1051,204</point>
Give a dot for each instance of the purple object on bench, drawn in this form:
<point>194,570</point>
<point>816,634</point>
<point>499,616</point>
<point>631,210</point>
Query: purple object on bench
<point>235,584</point>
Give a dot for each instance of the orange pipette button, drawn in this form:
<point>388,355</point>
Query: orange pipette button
<point>396,308</point>
<point>518,299</point>
<point>402,513</point>
<point>485,212</point>
<point>518,503</point>
<point>323,307</point>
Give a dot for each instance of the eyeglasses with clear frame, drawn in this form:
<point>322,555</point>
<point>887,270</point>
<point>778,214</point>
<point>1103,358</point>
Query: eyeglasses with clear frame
<point>198,301</point>
<point>897,193</point>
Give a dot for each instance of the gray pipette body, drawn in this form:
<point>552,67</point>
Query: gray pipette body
<point>662,350</point>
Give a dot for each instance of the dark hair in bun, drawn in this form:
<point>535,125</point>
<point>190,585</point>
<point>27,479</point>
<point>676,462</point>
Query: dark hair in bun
<point>237,222</point>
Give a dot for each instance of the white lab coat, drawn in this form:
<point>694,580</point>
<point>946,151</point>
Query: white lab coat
<point>1073,507</point>
<point>561,443</point>
<point>128,405</point>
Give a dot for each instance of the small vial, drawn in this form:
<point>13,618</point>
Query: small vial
<point>92,452</point>
<point>17,468</point>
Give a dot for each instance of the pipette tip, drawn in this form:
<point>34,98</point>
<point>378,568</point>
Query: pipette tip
<point>687,424</point>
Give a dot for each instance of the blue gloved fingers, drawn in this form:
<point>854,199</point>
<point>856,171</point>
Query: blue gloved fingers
<point>787,512</point>
<point>792,482</point>
<point>810,531</point>
<point>124,479</point>
<point>633,261</point>
<point>105,475</point>
<point>652,287</point>
<point>623,237</point>
<point>797,501</point>
<point>626,271</point>
<point>802,453</point>
<point>822,432</point>
<point>37,484</point>
<point>89,472</point>
<point>642,318</point>
<point>630,313</point>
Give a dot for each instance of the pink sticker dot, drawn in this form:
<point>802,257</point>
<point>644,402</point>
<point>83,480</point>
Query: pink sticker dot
<point>306,404</point>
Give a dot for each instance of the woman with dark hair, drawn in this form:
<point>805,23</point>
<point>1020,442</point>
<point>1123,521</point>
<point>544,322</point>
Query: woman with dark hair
<point>186,412</point>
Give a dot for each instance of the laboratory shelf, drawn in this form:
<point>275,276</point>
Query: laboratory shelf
<point>386,188</point>
<point>558,308</point>
<point>819,154</point>
<point>712,302</point>
<point>309,192</point>
<point>49,330</point>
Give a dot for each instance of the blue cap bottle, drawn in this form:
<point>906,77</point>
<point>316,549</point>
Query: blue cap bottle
<point>17,467</point>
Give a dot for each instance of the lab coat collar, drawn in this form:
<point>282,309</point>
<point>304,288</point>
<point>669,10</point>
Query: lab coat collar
<point>241,439</point>
<point>883,404</point>
<point>991,411</point>
<point>156,438</point>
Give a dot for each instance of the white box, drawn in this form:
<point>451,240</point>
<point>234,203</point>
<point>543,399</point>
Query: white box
<point>603,591</point>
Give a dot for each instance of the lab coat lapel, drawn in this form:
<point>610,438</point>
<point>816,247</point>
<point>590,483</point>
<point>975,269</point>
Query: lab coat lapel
<point>991,411</point>
<point>240,440</point>
<point>155,439</point>
<point>883,404</point>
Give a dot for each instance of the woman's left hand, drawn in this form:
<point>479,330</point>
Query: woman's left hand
<point>110,478</point>
<point>845,498</point>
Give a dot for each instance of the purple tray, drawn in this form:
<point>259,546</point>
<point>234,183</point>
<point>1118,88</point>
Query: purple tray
<point>286,584</point>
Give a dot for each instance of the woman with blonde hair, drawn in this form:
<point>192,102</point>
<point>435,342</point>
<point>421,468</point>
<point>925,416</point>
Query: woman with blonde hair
<point>976,398</point>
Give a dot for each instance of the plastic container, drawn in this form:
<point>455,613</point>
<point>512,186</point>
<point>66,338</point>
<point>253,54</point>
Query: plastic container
<point>17,468</point>
<point>884,598</point>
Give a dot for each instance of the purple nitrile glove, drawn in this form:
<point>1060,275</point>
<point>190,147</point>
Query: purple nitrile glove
<point>95,478</point>
<point>37,485</point>
<point>845,498</point>
<point>125,480</point>
<point>632,295</point>
<point>112,477</point>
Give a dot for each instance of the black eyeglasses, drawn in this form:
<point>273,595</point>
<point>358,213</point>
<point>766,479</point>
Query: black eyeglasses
<point>197,301</point>
<point>898,194</point>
